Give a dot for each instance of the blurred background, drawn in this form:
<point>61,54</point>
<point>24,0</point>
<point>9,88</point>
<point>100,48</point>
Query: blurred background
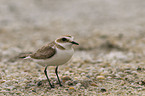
<point>111,34</point>
<point>35,20</point>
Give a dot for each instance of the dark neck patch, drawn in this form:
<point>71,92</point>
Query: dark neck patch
<point>60,47</point>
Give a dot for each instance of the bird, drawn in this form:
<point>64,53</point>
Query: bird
<point>55,53</point>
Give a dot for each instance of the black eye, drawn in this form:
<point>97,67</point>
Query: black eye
<point>64,39</point>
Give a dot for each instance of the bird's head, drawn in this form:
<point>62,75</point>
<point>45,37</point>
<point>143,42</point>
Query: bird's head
<point>66,41</point>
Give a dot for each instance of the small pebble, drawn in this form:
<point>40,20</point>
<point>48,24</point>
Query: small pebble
<point>128,67</point>
<point>120,74</point>
<point>87,76</point>
<point>117,75</point>
<point>2,81</point>
<point>109,77</point>
<point>70,83</point>
<point>39,83</point>
<point>67,68</point>
<point>76,82</point>
<point>103,90</point>
<point>33,90</point>
<point>83,74</point>
<point>139,69</point>
<point>100,77</point>
<point>71,88</point>
<point>143,82</point>
<point>134,72</point>
<point>65,78</point>
<point>104,73</point>
<point>94,84</point>
<point>76,78</point>
<point>85,83</point>
<point>127,71</point>
<point>78,85</point>
<point>0,76</point>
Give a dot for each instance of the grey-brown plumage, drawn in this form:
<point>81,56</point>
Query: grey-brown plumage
<point>45,52</point>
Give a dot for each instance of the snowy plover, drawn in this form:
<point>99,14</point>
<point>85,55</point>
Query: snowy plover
<point>55,53</point>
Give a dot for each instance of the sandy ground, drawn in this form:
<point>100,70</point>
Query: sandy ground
<point>109,60</point>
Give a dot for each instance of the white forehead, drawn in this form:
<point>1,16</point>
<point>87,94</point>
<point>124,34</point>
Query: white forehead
<point>70,38</point>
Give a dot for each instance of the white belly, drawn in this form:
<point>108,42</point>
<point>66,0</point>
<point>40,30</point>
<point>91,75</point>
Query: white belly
<point>61,57</point>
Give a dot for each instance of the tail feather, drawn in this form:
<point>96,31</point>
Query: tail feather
<point>28,57</point>
<point>24,55</point>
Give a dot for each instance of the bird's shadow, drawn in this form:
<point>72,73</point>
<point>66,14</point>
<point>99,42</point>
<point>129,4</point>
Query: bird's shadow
<point>44,84</point>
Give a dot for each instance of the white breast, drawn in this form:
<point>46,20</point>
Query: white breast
<point>61,57</point>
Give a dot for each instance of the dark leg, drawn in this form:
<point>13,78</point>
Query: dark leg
<point>57,75</point>
<point>45,71</point>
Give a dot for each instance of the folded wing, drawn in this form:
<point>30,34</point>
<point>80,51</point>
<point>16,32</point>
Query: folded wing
<point>44,53</point>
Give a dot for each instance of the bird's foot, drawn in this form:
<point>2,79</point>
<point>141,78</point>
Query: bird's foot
<point>52,86</point>
<point>60,85</point>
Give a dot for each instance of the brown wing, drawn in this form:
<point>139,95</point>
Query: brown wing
<point>45,52</point>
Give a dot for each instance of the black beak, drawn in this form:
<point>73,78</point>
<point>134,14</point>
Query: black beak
<point>73,42</point>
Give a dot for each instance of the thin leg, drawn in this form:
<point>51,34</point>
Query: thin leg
<point>57,75</point>
<point>45,71</point>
